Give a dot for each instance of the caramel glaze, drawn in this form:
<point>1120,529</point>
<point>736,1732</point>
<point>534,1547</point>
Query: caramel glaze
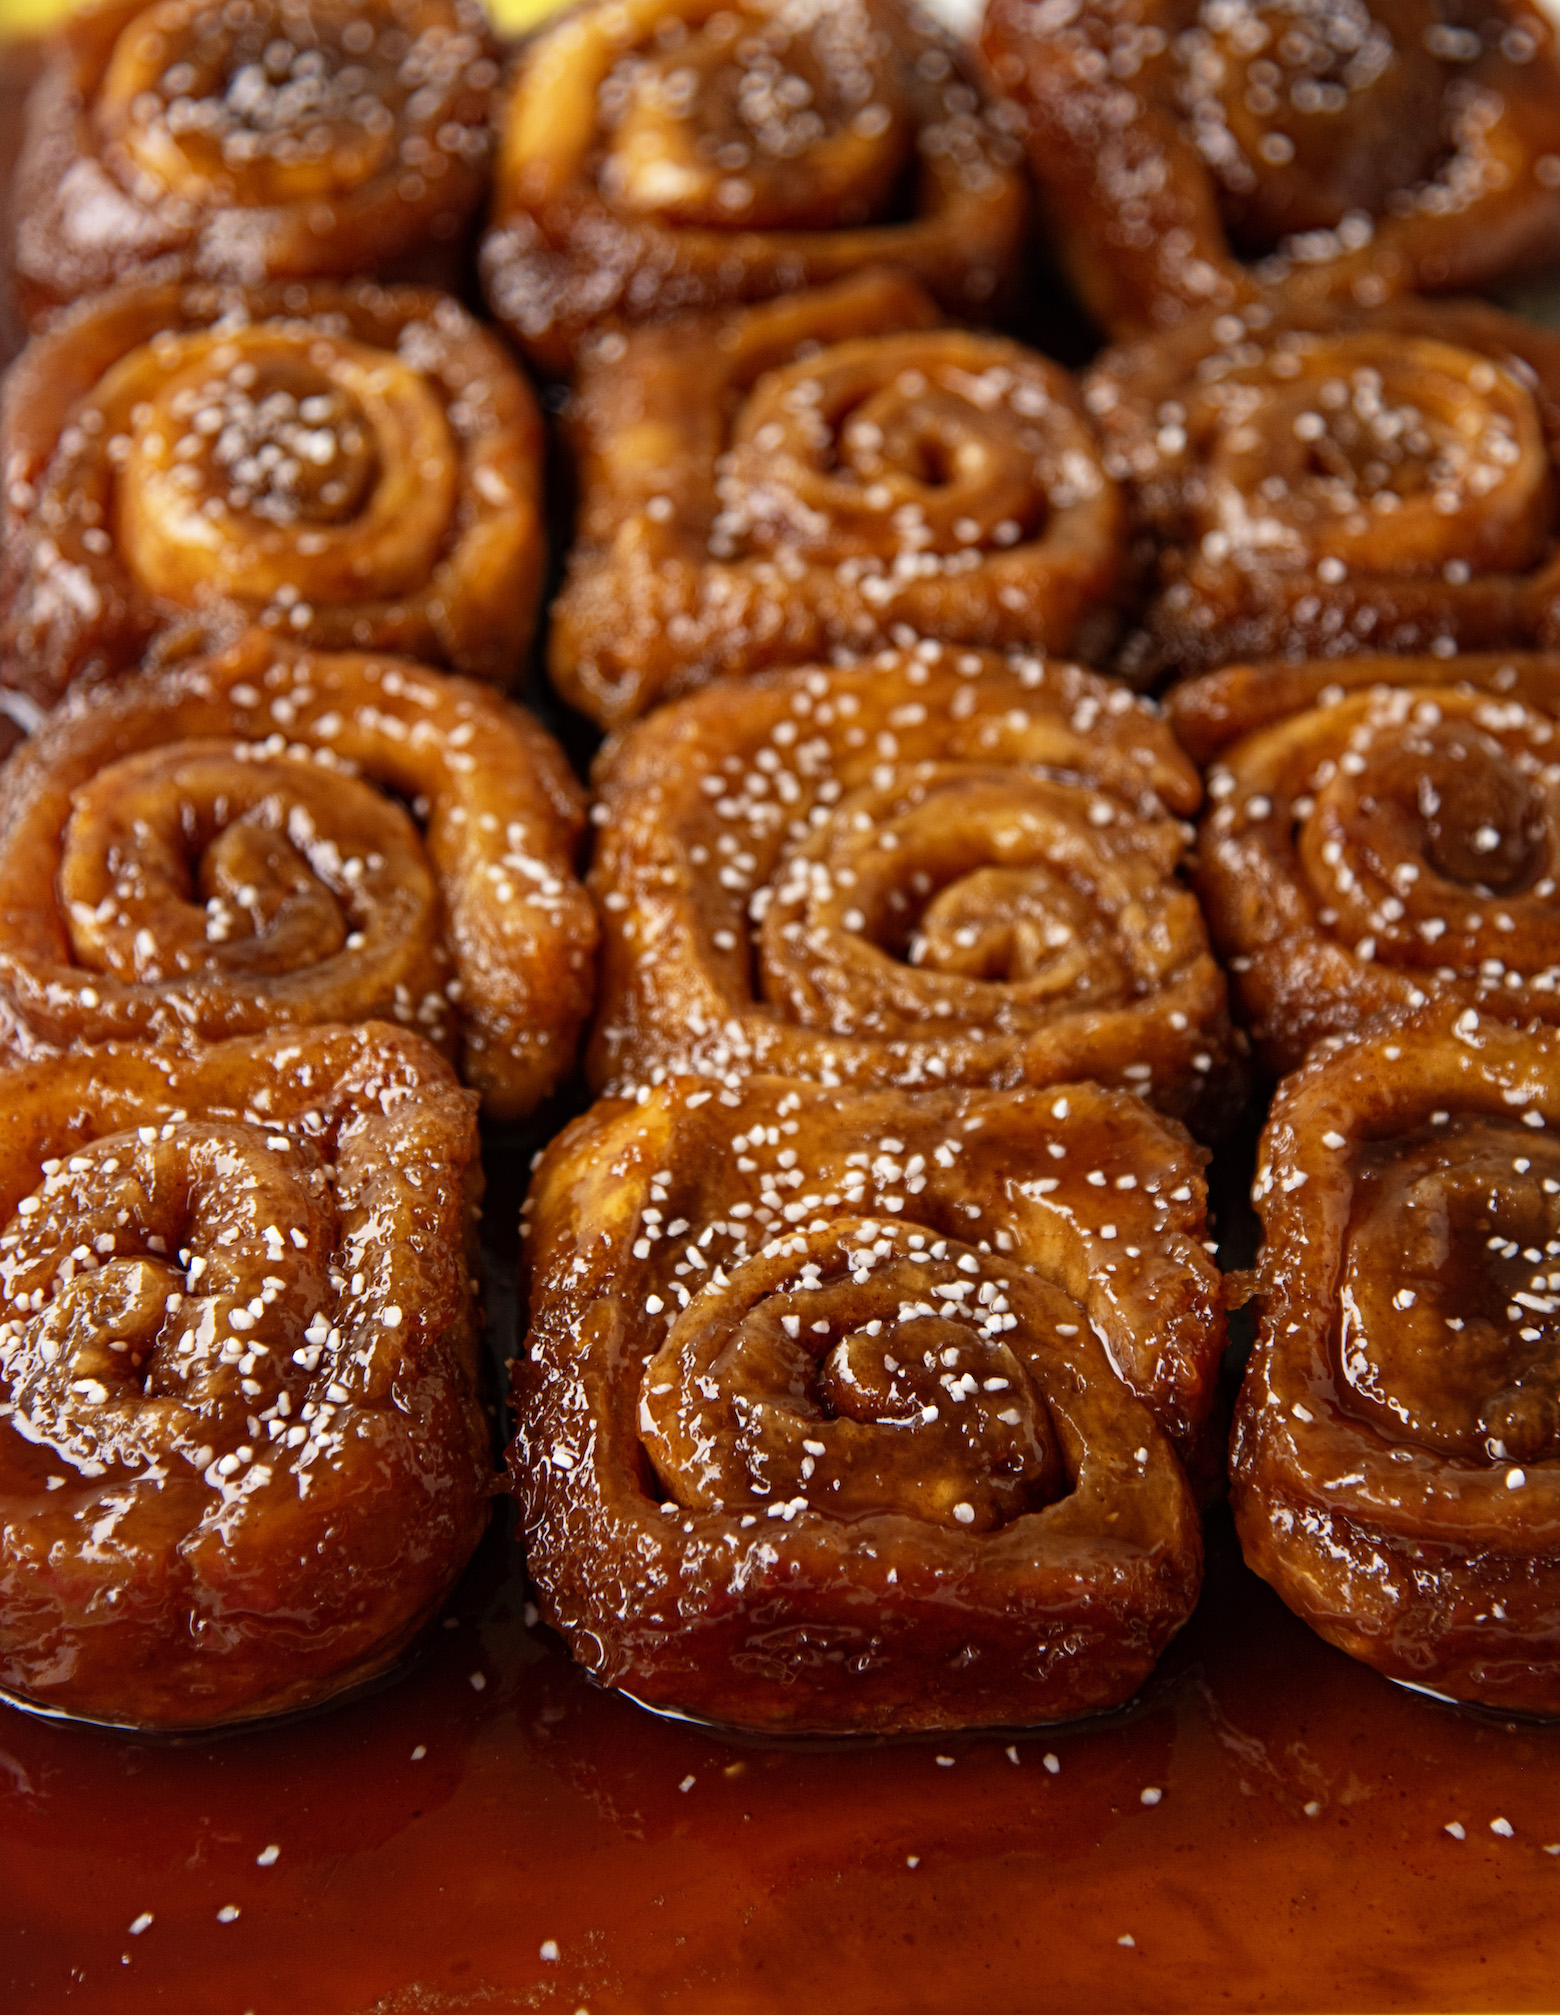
<point>237,822</point>
<point>780,1880</point>
<point>863,1412</point>
<point>654,157</point>
<point>1189,153</point>
<point>1379,835</point>
<point>939,868</point>
<point>399,512</point>
<point>242,1458</point>
<point>820,474</point>
<point>1392,1471</point>
<point>275,140</point>
<point>1321,482</point>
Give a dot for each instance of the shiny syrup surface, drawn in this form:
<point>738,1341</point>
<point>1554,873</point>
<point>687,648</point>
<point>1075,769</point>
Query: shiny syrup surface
<point>435,1840</point>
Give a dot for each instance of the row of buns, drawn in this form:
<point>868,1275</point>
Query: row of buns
<point>873,1373</point>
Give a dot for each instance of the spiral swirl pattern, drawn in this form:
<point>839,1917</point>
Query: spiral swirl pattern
<point>939,870</point>
<point>242,1457</point>
<point>1193,156</point>
<point>1394,1468</point>
<point>350,467</point>
<point>666,155</point>
<point>226,846</point>
<point>276,140</point>
<point>1322,484</point>
<point>837,1418</point>
<point>824,472</point>
<point>1383,832</point>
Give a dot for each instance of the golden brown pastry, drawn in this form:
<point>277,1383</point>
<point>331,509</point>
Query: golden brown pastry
<point>750,498</point>
<point>852,1412</point>
<point>1191,151</point>
<point>1394,1470</point>
<point>662,155</point>
<point>352,467</point>
<point>1321,483</point>
<point>242,1457</point>
<point>1382,832</point>
<point>936,869</point>
<point>272,140</point>
<point>281,836</point>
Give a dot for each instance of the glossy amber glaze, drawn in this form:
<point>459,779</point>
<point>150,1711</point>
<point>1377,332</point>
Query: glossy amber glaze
<point>276,836</point>
<point>1190,153</point>
<point>242,1455</point>
<point>350,466</point>
<point>432,1841</point>
<point>1381,832</point>
<point>1328,481</point>
<point>940,868</point>
<point>1393,1470</point>
<point>662,155</point>
<point>770,484</point>
<point>862,1412</point>
<point>287,139</point>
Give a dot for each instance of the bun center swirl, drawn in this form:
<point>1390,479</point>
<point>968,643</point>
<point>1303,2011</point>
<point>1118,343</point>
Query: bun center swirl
<point>130,1261</point>
<point>1305,110</point>
<point>275,102</point>
<point>192,860</point>
<point>295,454</point>
<point>1395,454</point>
<point>1427,828</point>
<point>981,900</point>
<point>911,444</point>
<point>754,119</point>
<point>1448,1330</point>
<point>864,1369</point>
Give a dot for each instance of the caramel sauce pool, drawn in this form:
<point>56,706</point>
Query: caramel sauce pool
<point>436,1840</point>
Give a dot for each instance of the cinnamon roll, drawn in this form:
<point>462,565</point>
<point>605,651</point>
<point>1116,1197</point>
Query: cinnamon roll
<point>1382,832</point>
<point>264,140</point>
<point>856,1412</point>
<point>1394,1470</point>
<point>277,836</point>
<point>352,467</point>
<point>242,1457</point>
<point>825,472</point>
<point>937,869</point>
<point>1321,484</point>
<point>662,155</point>
<point>1192,152</point>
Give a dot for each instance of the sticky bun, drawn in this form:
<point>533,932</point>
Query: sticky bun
<point>265,140</point>
<point>1393,1470</point>
<point>353,467</point>
<point>277,836</point>
<point>858,1412</point>
<point>1320,484</point>
<point>242,1457</point>
<point>664,155</point>
<point>774,483</point>
<point>1190,152</point>
<point>1382,832</point>
<point>936,869</point>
